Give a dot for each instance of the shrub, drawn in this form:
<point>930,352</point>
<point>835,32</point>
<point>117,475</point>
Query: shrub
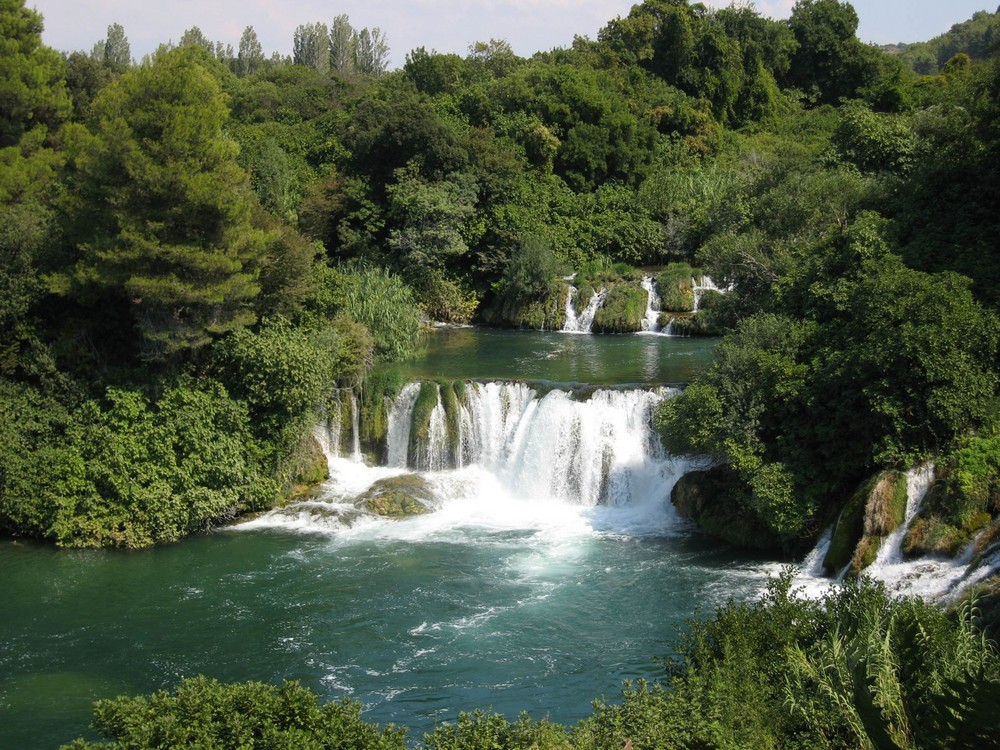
<point>202,712</point>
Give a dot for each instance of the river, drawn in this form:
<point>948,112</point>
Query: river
<point>516,593</point>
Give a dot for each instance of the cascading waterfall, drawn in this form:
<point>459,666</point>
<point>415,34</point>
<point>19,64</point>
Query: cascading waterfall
<point>651,321</point>
<point>700,286</point>
<point>583,322</point>
<point>571,323</point>
<point>926,576</point>
<point>355,428</point>
<point>598,451</point>
<point>400,418</point>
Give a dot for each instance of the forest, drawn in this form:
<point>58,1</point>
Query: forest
<point>202,248</point>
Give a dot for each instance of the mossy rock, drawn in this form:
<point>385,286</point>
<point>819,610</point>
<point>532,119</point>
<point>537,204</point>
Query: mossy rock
<point>623,310</point>
<point>932,535</point>
<point>307,468</point>
<point>676,291</point>
<point>716,500</point>
<point>874,511</point>
<point>398,497</point>
<point>548,314</point>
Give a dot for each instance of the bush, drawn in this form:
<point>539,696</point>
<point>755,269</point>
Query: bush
<point>531,273</point>
<point>379,300</point>
<point>479,730</point>
<point>127,472</point>
<point>202,712</point>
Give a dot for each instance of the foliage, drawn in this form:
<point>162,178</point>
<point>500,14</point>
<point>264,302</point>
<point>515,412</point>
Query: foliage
<point>126,472</point>
<point>202,712</point>
<point>531,273</point>
<point>479,729</point>
<point>379,300</point>
<point>32,90</point>
<point>160,211</point>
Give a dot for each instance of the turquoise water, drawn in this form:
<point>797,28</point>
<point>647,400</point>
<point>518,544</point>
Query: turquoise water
<point>561,357</point>
<point>417,629</point>
<point>505,596</point>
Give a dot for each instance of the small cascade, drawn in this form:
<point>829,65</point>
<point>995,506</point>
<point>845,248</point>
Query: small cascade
<point>355,428</point>
<point>583,322</point>
<point>598,451</point>
<point>571,323</point>
<point>331,434</point>
<point>651,321</point>
<point>400,418</point>
<point>433,453</point>
<point>702,285</point>
<point>929,577</point>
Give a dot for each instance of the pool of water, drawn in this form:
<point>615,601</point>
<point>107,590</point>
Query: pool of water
<point>509,595</point>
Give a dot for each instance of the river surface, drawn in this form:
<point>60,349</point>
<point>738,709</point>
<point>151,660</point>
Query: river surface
<point>511,594</point>
<point>562,357</point>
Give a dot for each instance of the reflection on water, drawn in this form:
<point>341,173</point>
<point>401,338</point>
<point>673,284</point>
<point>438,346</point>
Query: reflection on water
<point>484,354</point>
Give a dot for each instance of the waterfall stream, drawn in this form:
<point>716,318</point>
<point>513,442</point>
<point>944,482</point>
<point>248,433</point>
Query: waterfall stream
<point>651,320</point>
<point>584,321</point>
<point>929,577</point>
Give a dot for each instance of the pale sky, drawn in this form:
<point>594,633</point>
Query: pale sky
<point>443,25</point>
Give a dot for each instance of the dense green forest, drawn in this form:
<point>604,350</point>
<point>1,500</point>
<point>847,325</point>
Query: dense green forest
<point>199,251</point>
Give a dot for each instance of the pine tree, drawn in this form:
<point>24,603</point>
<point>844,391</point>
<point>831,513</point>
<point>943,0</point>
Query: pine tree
<point>167,209</point>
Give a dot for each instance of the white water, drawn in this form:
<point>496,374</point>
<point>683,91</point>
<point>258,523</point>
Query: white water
<point>546,463</point>
<point>583,322</point>
<point>699,289</point>
<point>355,428</point>
<point>571,323</point>
<point>651,320</point>
<point>399,425</point>
<point>928,577</point>
<point>562,468</point>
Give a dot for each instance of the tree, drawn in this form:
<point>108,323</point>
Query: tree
<point>430,220</point>
<point>311,47</point>
<point>830,62</point>
<point>371,51</point>
<point>162,210</point>
<point>117,52</point>
<point>343,45</point>
<point>531,272</point>
<point>194,37</point>
<point>250,57</point>
<point>32,91</point>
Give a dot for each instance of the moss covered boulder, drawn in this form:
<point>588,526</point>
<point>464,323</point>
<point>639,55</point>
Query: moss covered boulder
<point>717,501</point>
<point>873,512</point>
<point>398,497</point>
<point>623,310</point>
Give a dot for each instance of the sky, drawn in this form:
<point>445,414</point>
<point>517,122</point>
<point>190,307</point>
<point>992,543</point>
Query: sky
<point>442,25</point>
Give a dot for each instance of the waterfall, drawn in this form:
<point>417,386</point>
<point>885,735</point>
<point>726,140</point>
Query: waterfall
<point>651,321</point>
<point>706,285</point>
<point>571,323</point>
<point>929,577</point>
<point>552,447</point>
<point>400,418</point>
<point>433,454</point>
<point>582,323</point>
<point>355,428</point>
